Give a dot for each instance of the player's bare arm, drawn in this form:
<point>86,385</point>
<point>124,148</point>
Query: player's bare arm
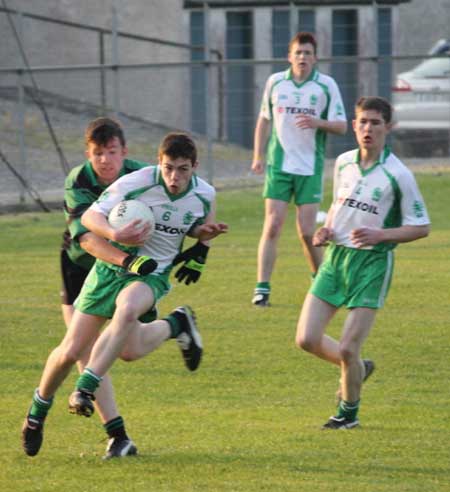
<point>369,236</point>
<point>262,132</point>
<point>305,121</point>
<point>206,232</point>
<point>210,228</point>
<point>130,234</point>
<point>96,244</point>
<point>102,249</point>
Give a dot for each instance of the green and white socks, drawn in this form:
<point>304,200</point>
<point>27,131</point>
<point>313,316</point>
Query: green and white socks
<point>39,407</point>
<point>262,288</point>
<point>115,428</point>
<point>348,410</point>
<point>88,381</point>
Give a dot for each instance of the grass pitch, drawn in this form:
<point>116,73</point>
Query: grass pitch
<point>250,419</point>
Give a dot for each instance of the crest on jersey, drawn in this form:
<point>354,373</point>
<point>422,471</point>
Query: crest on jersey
<point>188,217</point>
<point>377,194</point>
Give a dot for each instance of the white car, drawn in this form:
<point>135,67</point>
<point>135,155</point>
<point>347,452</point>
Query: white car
<point>421,100</point>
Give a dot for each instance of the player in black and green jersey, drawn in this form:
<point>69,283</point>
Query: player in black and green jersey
<point>106,152</point>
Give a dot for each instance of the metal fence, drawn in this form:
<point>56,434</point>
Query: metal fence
<point>45,109</point>
<point>217,101</point>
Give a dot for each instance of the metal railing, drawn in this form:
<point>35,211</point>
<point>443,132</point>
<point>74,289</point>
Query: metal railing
<point>153,98</point>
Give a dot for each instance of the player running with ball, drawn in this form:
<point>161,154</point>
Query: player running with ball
<point>376,204</point>
<point>183,205</point>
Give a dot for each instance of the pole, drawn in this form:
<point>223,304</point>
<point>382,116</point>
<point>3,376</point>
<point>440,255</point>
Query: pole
<point>293,21</point>
<point>115,58</point>
<point>21,115</point>
<point>207,55</point>
<point>101,43</point>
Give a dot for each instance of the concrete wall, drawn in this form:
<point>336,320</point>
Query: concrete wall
<point>162,95</point>
<point>157,95</point>
<point>45,45</point>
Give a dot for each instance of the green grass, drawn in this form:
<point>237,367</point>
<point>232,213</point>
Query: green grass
<point>250,419</point>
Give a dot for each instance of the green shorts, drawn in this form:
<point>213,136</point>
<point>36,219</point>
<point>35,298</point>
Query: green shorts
<point>354,277</point>
<point>282,186</point>
<point>103,285</point>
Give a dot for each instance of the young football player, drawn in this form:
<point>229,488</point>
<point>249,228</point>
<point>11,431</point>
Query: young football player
<point>124,283</point>
<point>303,106</point>
<point>376,205</point>
<point>106,152</point>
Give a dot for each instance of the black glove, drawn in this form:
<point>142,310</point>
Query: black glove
<point>139,265</point>
<point>194,262</point>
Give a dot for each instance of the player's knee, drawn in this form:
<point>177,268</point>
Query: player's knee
<point>347,353</point>
<point>306,343</point>
<point>127,313</point>
<point>273,227</point>
<point>69,355</point>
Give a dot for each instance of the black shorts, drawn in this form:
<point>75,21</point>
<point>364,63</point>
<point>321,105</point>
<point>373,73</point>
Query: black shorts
<point>73,277</point>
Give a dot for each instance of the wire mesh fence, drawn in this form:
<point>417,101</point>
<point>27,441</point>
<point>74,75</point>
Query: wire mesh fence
<point>218,102</point>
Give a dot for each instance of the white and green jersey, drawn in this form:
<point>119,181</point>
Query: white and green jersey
<point>174,215</point>
<point>384,196</point>
<point>291,149</point>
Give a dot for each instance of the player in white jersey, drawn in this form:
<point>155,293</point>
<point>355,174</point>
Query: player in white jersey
<point>376,205</point>
<point>127,284</point>
<point>183,205</point>
<point>175,215</point>
<point>302,106</point>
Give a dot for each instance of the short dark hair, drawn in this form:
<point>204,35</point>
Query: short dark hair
<point>177,145</point>
<point>375,103</point>
<point>101,130</point>
<point>303,38</point>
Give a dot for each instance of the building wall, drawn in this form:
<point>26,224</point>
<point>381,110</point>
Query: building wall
<point>155,18</point>
<point>162,95</point>
<point>157,94</point>
<point>162,19</point>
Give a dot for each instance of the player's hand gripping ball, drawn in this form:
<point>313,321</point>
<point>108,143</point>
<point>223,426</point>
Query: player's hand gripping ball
<point>122,214</point>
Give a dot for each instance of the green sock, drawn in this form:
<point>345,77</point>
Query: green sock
<point>174,323</point>
<point>262,288</point>
<point>39,406</point>
<point>116,428</point>
<point>348,409</point>
<point>88,381</point>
